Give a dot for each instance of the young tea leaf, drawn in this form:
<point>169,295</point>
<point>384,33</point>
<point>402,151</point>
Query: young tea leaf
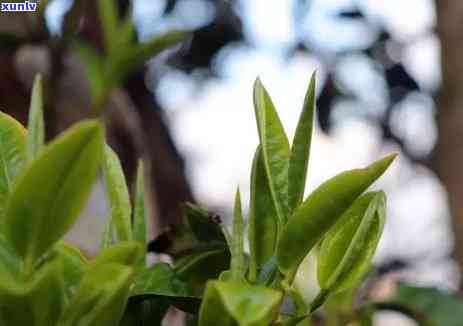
<point>126,253</point>
<point>36,125</point>
<point>12,155</point>
<point>348,247</point>
<point>101,297</point>
<point>228,302</point>
<point>237,264</point>
<point>38,301</point>
<point>300,150</point>
<point>49,194</point>
<point>118,195</point>
<point>139,226</point>
<point>263,221</point>
<point>275,149</point>
<point>320,211</point>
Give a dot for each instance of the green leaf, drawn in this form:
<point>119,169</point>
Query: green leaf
<point>237,264</point>
<point>109,16</point>
<point>348,247</point>
<point>123,253</point>
<point>202,266</point>
<point>49,194</point>
<point>36,125</point>
<point>107,237</point>
<point>300,150</point>
<point>204,225</point>
<point>145,312</point>
<point>227,302</point>
<point>320,211</point>
<point>263,222</point>
<point>101,297</point>
<point>275,149</point>
<point>118,195</point>
<point>74,265</point>
<point>12,155</point>
<point>139,227</point>
<point>10,263</point>
<point>94,69</point>
<point>38,302</point>
<point>440,307</point>
<point>160,282</point>
<point>125,62</point>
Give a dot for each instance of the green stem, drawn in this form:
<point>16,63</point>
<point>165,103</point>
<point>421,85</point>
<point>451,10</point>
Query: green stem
<point>319,300</point>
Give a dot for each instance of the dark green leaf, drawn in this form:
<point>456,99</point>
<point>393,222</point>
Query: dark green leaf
<point>263,222</point>
<point>160,282</point>
<point>35,126</point>
<point>227,302</point>
<point>202,266</point>
<point>300,150</point>
<point>440,307</point>
<point>125,62</point>
<point>95,71</point>
<point>320,211</point>
<point>275,149</point>
<point>145,312</point>
<point>109,16</point>
<point>48,195</point>
<point>204,225</point>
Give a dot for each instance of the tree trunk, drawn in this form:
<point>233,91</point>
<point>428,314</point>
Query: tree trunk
<point>449,150</point>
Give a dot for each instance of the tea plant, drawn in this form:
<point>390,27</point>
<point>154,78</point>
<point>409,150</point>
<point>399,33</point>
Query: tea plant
<point>43,187</point>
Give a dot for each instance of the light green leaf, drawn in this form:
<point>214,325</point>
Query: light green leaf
<point>36,125</point>
<point>320,211</point>
<point>225,303</point>
<point>139,227</point>
<point>107,236</point>
<point>49,194</point>
<point>118,195</point>
<point>37,302</point>
<point>300,150</point>
<point>237,264</point>
<point>263,222</point>
<point>275,149</point>
<point>348,247</point>
<point>123,253</point>
<point>12,155</point>
<point>74,265</point>
<point>101,297</point>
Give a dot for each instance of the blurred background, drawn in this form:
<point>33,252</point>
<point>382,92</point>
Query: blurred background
<point>389,76</point>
